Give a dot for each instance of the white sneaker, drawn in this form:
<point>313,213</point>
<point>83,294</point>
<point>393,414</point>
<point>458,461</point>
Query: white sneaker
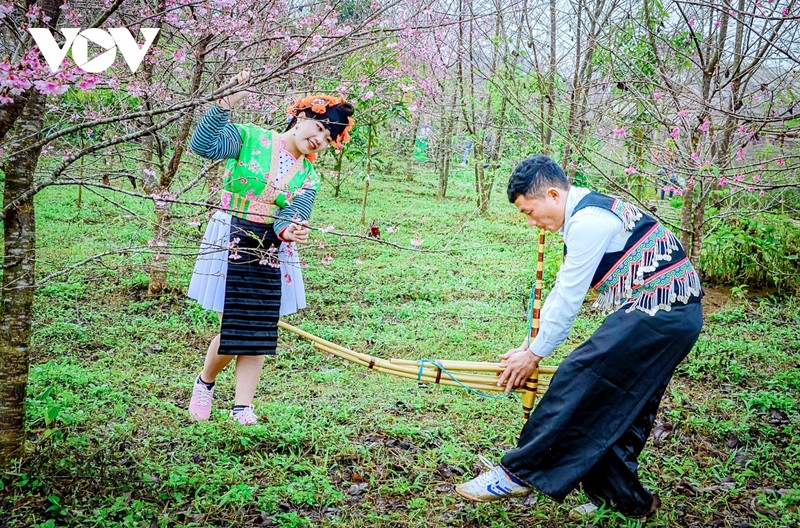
<point>493,485</point>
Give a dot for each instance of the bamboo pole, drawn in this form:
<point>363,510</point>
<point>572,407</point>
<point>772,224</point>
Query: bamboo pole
<point>529,397</point>
<point>385,367</point>
<point>432,371</point>
<point>429,372</point>
<point>472,366</point>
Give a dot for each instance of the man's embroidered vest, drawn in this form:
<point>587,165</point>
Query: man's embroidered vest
<point>652,271</point>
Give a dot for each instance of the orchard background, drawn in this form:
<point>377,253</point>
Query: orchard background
<point>688,109</point>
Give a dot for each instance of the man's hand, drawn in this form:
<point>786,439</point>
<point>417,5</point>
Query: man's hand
<point>519,365</point>
<point>296,233</point>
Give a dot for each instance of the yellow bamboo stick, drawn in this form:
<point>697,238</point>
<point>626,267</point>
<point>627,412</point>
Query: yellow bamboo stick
<point>387,368</point>
<point>410,369</point>
<point>474,366</point>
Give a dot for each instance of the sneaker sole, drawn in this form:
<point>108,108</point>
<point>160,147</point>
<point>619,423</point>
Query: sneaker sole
<point>493,499</point>
<point>475,499</point>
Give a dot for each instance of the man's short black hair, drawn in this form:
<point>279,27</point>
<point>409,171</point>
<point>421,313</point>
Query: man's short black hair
<point>534,176</point>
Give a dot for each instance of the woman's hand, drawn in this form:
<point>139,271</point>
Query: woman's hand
<point>230,101</point>
<point>296,233</point>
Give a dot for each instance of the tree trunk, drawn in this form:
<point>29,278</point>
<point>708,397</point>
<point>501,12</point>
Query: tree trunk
<point>687,226</point>
<point>551,83</point>
<point>337,169</point>
<point>19,262</point>
<point>411,165</point>
<point>369,174</point>
<point>444,157</point>
<point>19,258</point>
<point>159,265</point>
<point>364,201</point>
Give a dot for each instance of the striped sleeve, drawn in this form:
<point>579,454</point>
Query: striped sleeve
<point>215,137</point>
<point>301,206</point>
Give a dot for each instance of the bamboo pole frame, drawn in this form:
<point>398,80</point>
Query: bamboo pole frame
<point>477,375</point>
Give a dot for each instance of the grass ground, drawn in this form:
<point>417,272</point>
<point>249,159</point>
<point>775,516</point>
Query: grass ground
<point>109,442</point>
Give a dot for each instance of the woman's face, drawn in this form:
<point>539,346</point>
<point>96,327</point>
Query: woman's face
<point>311,136</point>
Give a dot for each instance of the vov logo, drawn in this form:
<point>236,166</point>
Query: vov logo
<point>110,40</point>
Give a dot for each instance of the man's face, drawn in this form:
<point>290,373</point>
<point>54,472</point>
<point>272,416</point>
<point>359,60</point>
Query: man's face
<point>546,212</point>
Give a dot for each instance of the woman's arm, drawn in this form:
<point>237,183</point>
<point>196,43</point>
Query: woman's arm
<point>291,215</point>
<point>215,137</point>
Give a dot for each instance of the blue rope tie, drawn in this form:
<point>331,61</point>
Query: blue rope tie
<point>422,363</point>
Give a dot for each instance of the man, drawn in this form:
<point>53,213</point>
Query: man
<point>591,425</point>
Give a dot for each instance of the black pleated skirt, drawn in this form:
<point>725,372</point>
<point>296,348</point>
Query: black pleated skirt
<point>252,291</point>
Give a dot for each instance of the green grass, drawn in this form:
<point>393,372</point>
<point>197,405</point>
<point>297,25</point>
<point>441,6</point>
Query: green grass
<point>109,442</point>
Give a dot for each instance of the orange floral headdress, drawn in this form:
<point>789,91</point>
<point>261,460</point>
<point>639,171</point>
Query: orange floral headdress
<point>319,104</point>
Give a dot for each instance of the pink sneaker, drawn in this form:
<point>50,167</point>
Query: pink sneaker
<point>245,417</point>
<point>200,406</point>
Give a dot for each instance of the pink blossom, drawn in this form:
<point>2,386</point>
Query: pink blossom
<point>705,126</point>
<point>15,84</point>
<point>750,188</point>
<point>756,178</point>
<point>194,222</point>
<point>367,96</point>
<point>740,155</point>
<point>658,96</point>
<point>630,171</point>
<point>785,11</point>
<point>416,242</point>
<point>691,22</point>
<point>675,133</point>
<point>359,261</point>
<point>742,129</point>
<point>683,113</point>
<point>760,166</point>
<point>327,260</point>
<point>392,229</point>
<point>619,132</point>
<point>88,82</point>
<point>656,155</point>
<point>695,156</point>
<point>739,178</point>
<point>761,193</point>
<point>4,99</point>
<point>781,162</point>
<point>717,24</point>
<point>723,181</point>
<point>50,87</point>
<point>6,9</point>
<point>233,243</point>
<point>234,256</point>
